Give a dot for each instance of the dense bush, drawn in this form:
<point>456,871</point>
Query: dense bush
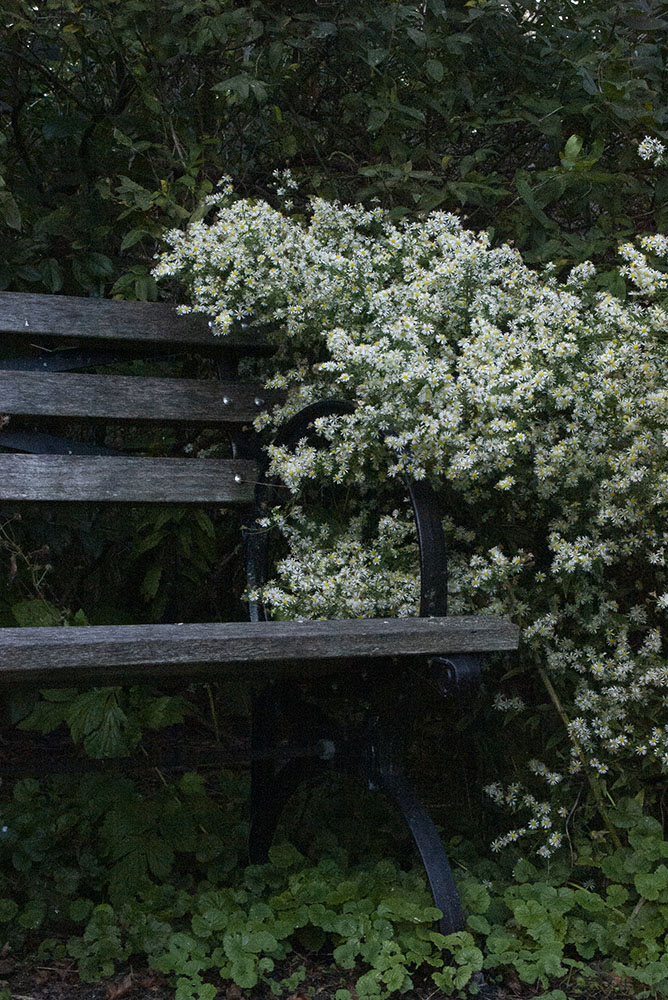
<point>540,405</point>
<point>116,118</point>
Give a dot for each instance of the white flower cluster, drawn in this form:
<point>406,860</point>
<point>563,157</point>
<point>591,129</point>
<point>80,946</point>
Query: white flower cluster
<point>502,703</point>
<point>516,798</point>
<point>342,572</point>
<point>541,408</point>
<point>651,149</point>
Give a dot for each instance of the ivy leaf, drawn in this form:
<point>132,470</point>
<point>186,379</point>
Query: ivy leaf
<point>8,909</point>
<point>652,885</point>
<point>243,970</point>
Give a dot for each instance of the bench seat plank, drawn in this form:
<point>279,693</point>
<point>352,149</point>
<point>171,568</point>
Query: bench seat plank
<point>112,320</point>
<point>120,397</point>
<point>101,479</point>
<point>103,654</point>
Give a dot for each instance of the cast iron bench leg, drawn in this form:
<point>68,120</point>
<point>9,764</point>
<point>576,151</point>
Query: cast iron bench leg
<point>367,755</point>
<point>385,773</point>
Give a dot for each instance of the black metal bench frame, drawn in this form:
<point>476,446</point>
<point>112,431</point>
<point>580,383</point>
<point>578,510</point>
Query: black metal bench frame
<point>37,467</point>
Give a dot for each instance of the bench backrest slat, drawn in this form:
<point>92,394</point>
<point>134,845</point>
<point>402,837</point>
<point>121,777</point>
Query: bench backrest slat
<point>57,478</point>
<point>130,397</point>
<point>111,320</point>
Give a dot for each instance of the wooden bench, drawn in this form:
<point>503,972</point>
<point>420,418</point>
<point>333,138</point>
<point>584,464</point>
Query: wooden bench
<point>64,337</point>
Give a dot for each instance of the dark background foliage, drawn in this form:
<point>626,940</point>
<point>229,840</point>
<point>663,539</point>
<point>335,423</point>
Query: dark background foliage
<point>116,117</point>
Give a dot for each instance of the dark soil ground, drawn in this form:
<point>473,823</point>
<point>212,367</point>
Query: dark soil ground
<point>30,980</point>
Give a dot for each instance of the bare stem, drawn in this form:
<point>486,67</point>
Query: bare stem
<point>594,783</point>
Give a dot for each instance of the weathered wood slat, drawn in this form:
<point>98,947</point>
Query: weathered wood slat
<point>130,398</point>
<point>110,319</point>
<point>109,654</point>
<point>126,480</point>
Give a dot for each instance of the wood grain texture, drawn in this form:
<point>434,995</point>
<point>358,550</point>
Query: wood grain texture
<point>109,319</point>
<point>130,398</point>
<point>109,654</point>
<point>126,480</point>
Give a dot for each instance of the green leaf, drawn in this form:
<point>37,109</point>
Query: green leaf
<point>527,196</point>
<point>151,581</point>
<point>435,69</point>
<point>652,885</point>
<point>243,972</point>
<point>377,118</point>
<point>97,719</point>
<point>571,151</point>
<point>168,710</point>
<point>52,276</point>
<point>324,29</point>
<point>10,210</point>
<point>285,856</point>
<point>99,264</point>
<point>45,717</point>
<point>79,910</point>
<point>239,84</point>
<point>134,236</point>
<point>8,909</point>
<point>36,613</point>
<point>375,57</point>
<point>524,871</point>
<point>32,916</point>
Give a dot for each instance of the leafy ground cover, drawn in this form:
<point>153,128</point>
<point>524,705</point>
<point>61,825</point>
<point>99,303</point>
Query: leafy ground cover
<point>329,919</point>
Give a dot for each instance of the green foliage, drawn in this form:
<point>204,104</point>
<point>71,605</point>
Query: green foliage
<point>102,872</point>
<point>108,721</point>
<point>115,120</point>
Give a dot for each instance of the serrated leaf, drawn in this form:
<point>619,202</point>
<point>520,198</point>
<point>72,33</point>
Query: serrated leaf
<point>243,972</point>
<point>285,856</point>
<point>79,910</point>
<point>36,613</point>
<point>652,885</point>
<point>167,710</point>
<point>45,717</point>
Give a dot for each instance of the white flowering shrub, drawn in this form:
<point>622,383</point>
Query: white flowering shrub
<point>329,568</point>
<point>541,409</point>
